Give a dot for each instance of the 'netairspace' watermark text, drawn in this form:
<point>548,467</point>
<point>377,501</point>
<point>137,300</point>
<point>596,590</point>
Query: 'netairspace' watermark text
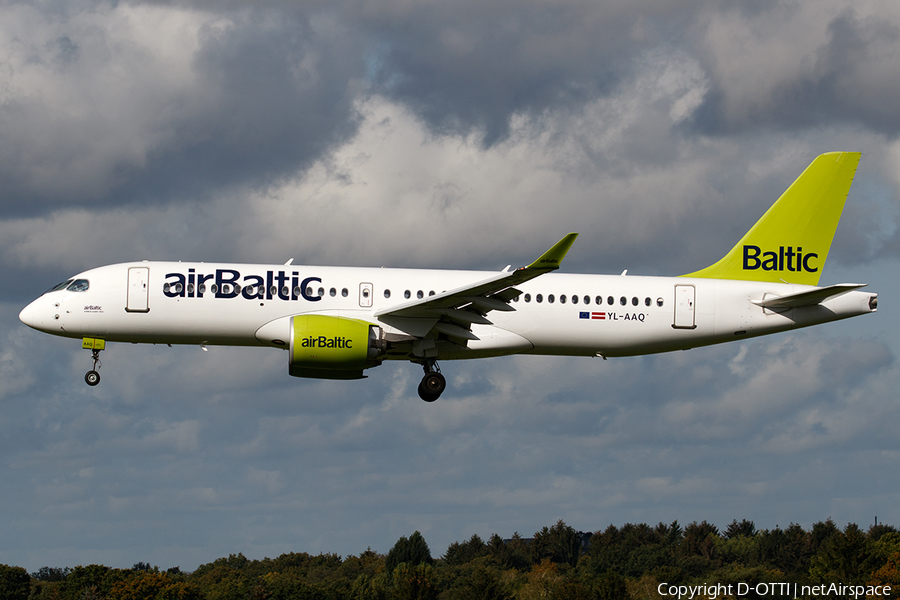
<point>794,590</point>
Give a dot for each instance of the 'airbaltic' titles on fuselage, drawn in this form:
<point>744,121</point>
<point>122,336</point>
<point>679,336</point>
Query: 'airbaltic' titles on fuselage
<point>786,257</point>
<point>229,283</point>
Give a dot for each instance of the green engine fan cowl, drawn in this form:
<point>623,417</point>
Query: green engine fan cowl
<point>330,347</point>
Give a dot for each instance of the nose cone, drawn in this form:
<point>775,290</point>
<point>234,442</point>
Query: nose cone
<point>37,315</point>
<point>27,316</point>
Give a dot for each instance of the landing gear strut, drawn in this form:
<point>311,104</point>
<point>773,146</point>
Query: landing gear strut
<point>433,383</point>
<point>92,377</point>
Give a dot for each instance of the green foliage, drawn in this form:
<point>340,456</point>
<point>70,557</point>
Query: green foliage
<point>458,554</point>
<point>371,587</point>
<point>634,549</point>
<point>876,532</point>
<point>611,586</point>
<point>820,533</point>
<point>412,551</point>
<point>788,550</point>
<point>621,564</point>
<point>144,584</point>
<point>846,556</point>
<point>479,581</point>
<point>15,584</point>
<point>50,574</point>
<point>414,582</point>
<point>514,554</point>
<point>90,581</point>
<point>559,544</point>
<point>743,529</point>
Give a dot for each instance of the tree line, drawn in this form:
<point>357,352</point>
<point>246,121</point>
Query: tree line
<point>618,563</point>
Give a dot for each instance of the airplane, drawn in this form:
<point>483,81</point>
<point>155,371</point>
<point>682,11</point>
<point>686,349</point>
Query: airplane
<point>336,322</point>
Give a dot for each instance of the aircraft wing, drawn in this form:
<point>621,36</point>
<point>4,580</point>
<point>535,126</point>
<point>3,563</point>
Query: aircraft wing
<point>809,298</point>
<point>453,312</point>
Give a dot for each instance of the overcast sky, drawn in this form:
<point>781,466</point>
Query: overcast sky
<point>451,134</point>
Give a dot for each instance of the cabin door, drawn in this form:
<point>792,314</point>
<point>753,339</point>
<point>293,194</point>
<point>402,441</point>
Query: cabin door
<point>138,289</point>
<point>684,307</point>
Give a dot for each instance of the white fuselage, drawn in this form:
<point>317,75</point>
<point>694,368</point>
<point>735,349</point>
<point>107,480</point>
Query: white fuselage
<point>562,314</point>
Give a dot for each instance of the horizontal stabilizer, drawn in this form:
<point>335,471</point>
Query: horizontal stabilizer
<point>808,298</point>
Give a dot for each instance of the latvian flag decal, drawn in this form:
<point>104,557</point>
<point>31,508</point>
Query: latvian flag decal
<point>596,316</point>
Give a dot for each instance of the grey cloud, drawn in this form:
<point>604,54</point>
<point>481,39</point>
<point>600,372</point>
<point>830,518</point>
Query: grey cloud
<point>845,79</point>
<point>472,67</point>
<point>92,118</point>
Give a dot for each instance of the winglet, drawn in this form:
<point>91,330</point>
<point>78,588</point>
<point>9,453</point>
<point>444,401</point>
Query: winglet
<point>551,259</point>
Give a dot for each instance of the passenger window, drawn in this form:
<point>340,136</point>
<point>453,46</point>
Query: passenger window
<point>332,292</point>
<point>431,293</point>
<point>659,302</point>
<point>407,294</point>
<point>587,299</point>
<point>599,299</point>
<point>623,301</point>
<point>551,298</point>
<point>574,299</point>
<point>420,294</point>
<point>213,288</point>
<point>321,292</point>
<point>79,285</point>
<point>387,293</point>
<point>296,291</point>
<point>562,299</point>
<point>648,301</point>
<point>610,300</point>
<point>527,297</point>
<point>539,298</point>
<point>634,301</point>
<point>345,293</point>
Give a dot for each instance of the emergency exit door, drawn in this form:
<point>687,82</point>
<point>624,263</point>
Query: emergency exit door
<point>365,295</point>
<point>138,289</point>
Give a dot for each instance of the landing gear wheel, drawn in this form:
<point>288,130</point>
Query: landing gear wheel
<point>432,386</point>
<point>92,378</point>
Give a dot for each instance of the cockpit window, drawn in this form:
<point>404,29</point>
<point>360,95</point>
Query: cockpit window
<point>59,286</point>
<point>79,285</point>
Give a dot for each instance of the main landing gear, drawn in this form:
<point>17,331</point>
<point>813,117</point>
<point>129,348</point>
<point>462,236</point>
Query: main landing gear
<point>92,377</point>
<point>433,383</point>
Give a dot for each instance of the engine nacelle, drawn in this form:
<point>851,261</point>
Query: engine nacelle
<point>329,347</point>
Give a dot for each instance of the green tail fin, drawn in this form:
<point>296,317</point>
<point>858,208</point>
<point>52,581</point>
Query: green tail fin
<point>791,241</point>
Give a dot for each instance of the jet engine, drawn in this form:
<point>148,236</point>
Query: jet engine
<point>329,347</point>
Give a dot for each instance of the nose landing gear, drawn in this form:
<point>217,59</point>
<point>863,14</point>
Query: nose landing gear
<point>92,377</point>
<point>433,383</point>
